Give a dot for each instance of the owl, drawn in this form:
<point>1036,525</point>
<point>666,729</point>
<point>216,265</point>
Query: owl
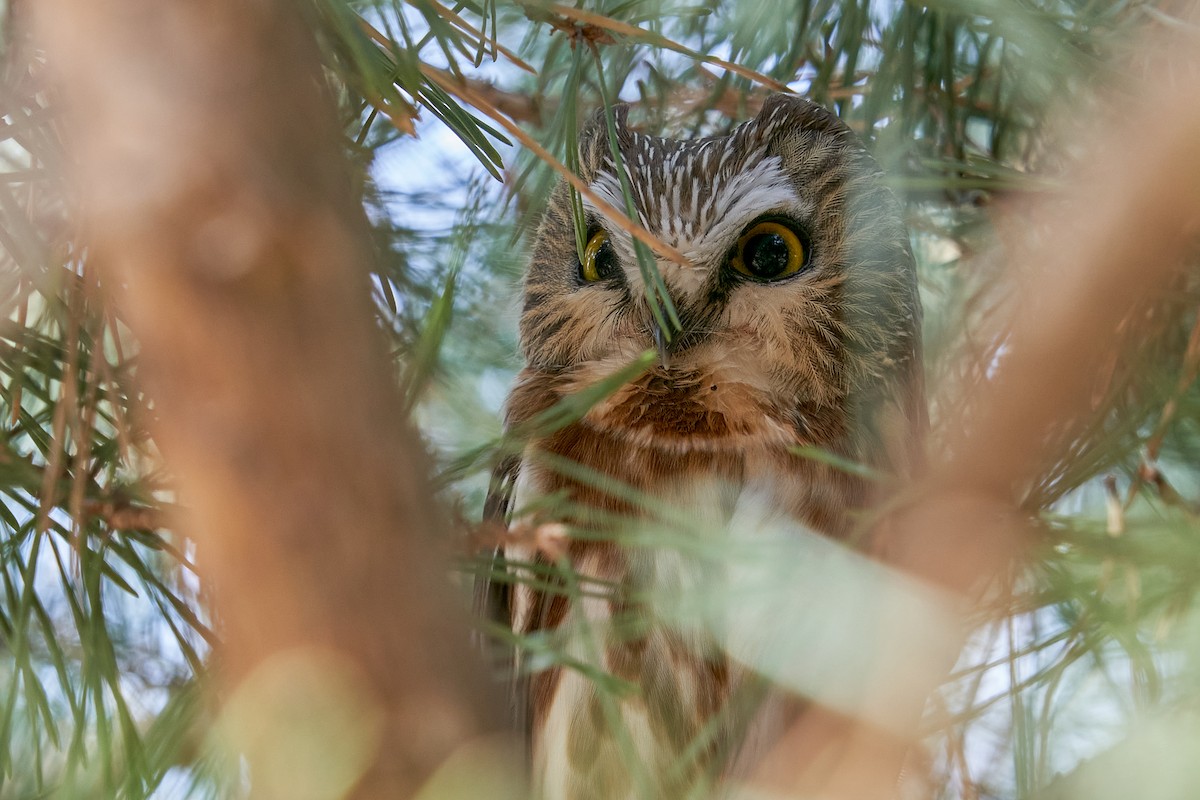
<point>799,327</point>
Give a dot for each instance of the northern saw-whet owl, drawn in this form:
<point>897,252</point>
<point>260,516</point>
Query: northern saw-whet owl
<point>800,328</point>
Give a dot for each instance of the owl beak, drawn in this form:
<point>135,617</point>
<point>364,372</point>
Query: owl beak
<point>660,342</point>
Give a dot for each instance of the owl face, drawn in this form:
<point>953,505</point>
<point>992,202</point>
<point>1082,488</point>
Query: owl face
<point>797,300</point>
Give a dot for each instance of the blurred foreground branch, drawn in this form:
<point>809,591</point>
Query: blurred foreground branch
<point>1087,261</point>
<point>216,202</point>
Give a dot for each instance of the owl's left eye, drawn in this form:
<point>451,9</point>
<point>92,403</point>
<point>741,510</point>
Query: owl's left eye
<point>599,260</point>
<point>769,250</point>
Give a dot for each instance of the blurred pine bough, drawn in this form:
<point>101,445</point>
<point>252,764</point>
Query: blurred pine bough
<point>104,630</point>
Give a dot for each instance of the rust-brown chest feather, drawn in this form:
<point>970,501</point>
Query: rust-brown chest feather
<point>662,435</point>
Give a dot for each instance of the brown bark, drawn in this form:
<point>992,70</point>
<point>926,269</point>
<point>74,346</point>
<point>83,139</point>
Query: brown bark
<point>1117,240</point>
<point>207,159</point>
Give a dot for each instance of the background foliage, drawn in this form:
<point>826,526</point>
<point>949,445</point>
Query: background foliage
<point>104,630</point>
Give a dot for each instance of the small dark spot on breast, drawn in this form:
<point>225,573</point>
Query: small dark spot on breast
<point>713,387</point>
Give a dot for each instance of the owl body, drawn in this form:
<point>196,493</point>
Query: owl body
<point>799,329</point>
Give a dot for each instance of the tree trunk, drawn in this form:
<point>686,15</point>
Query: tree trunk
<point>206,153</point>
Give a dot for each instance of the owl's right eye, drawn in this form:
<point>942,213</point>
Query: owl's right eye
<point>768,251</point>
<point>599,260</point>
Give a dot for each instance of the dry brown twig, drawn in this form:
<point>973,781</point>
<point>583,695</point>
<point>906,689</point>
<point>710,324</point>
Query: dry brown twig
<point>242,254</point>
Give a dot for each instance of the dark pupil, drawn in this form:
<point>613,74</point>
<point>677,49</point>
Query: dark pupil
<point>766,255</point>
<point>605,260</point>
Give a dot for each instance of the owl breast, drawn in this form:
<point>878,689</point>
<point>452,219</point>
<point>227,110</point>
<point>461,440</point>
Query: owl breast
<point>678,439</point>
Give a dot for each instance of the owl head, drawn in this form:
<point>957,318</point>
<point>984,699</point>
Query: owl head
<point>798,299</point>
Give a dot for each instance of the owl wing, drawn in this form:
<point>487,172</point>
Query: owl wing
<point>494,598</point>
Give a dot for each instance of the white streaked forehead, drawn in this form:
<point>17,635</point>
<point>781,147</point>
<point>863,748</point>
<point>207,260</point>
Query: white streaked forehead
<point>695,198</point>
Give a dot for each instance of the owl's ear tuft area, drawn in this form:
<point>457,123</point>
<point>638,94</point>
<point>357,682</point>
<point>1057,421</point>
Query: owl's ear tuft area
<point>593,139</point>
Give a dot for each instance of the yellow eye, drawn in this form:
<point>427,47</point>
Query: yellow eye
<point>768,251</point>
<point>598,259</point>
